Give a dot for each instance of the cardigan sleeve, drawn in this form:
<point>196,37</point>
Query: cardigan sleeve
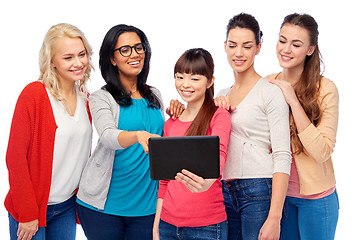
<point>277,112</point>
<point>101,108</point>
<point>22,191</point>
<point>319,141</point>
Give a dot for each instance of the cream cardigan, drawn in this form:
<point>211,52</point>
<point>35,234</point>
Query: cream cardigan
<point>314,164</point>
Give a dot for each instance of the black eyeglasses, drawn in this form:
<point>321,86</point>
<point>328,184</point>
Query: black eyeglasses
<point>127,50</point>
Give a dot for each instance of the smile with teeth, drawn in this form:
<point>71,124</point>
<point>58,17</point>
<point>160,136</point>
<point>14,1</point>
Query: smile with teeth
<point>186,92</point>
<point>134,63</point>
<point>286,58</point>
<point>239,62</point>
<point>77,71</point>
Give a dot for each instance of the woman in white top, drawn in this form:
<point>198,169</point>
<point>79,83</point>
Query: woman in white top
<point>50,140</point>
<point>257,170</point>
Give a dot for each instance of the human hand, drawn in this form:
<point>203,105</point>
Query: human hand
<point>194,182</point>
<point>287,90</point>
<point>27,230</point>
<point>270,230</point>
<point>143,139</point>
<point>224,102</point>
<point>175,109</point>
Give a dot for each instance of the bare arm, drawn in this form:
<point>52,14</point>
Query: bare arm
<point>271,227</point>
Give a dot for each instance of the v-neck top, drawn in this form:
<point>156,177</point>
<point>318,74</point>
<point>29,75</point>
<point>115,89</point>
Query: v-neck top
<point>260,135</point>
<point>71,148</point>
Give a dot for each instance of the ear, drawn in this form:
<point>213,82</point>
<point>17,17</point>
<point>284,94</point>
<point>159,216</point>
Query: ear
<point>113,61</point>
<point>225,44</point>
<point>52,65</point>
<point>258,47</point>
<point>211,82</point>
<point>311,50</point>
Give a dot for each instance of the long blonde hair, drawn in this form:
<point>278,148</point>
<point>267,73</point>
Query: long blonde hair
<point>48,74</point>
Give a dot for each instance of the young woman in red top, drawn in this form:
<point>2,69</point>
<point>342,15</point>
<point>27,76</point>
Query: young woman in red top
<point>190,204</point>
<point>50,140</point>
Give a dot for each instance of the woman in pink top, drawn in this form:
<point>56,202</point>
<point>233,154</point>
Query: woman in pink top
<point>311,206</point>
<point>190,206</point>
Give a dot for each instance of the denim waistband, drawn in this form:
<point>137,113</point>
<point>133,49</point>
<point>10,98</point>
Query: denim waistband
<point>244,182</point>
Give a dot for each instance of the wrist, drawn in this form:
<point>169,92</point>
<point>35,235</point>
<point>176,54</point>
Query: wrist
<point>275,216</point>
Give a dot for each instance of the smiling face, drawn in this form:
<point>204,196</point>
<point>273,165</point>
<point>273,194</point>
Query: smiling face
<point>293,46</point>
<point>70,59</point>
<point>132,65</point>
<point>192,87</point>
<point>241,49</point>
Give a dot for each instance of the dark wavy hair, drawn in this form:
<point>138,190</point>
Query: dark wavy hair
<point>308,87</point>
<point>247,21</point>
<point>200,62</point>
<point>110,72</point>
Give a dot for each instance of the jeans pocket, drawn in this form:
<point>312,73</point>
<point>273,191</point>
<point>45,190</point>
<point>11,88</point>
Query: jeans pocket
<point>258,190</point>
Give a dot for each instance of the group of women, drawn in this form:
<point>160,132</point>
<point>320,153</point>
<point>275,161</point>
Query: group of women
<point>276,135</point>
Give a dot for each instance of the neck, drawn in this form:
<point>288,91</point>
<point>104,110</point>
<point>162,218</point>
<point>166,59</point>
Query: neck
<point>67,88</point>
<point>246,78</point>
<point>291,75</point>
<point>192,109</point>
<point>129,83</point>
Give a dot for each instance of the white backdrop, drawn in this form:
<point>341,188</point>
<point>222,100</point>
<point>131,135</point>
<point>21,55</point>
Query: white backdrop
<point>173,27</point>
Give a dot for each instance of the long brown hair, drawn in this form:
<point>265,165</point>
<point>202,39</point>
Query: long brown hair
<point>307,88</point>
<point>200,62</point>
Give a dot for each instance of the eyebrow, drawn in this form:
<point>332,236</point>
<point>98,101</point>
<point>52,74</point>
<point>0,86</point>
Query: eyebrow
<point>242,43</point>
<point>296,40</point>
<point>70,54</point>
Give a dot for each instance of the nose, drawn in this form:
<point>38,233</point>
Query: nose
<point>77,62</point>
<point>186,82</point>
<point>133,52</point>
<point>239,51</point>
<point>287,48</point>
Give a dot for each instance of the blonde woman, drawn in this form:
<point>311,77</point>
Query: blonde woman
<point>50,140</point>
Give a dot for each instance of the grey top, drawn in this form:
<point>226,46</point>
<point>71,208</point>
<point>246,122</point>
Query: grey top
<point>96,176</point>
<point>260,135</point>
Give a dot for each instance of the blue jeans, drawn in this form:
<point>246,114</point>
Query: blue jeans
<point>212,232</point>
<point>60,223</point>
<point>98,226</point>
<point>307,219</point>
<point>247,203</point>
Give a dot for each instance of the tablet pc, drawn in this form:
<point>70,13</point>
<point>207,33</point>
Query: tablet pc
<point>198,154</point>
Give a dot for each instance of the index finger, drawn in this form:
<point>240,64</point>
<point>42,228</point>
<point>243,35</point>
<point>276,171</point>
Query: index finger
<point>191,175</point>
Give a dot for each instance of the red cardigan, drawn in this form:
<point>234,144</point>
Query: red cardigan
<point>29,155</point>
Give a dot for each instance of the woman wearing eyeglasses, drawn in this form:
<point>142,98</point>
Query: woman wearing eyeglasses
<point>117,198</point>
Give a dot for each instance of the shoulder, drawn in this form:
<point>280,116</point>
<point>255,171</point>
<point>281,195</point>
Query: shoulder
<point>35,89</point>
<point>155,91</point>
<point>268,88</point>
<point>223,92</point>
<point>101,93</point>
<point>221,114</point>
<point>271,76</point>
<point>34,92</point>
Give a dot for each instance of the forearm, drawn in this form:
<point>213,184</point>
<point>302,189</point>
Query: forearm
<point>127,139</point>
<point>157,219</point>
<point>279,190</point>
<point>302,121</point>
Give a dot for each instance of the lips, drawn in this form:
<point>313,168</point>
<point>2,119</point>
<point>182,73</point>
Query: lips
<point>134,63</point>
<point>186,93</point>
<point>78,71</point>
<point>285,58</point>
<point>239,62</point>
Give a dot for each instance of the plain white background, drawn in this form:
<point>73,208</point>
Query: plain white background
<point>173,27</point>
